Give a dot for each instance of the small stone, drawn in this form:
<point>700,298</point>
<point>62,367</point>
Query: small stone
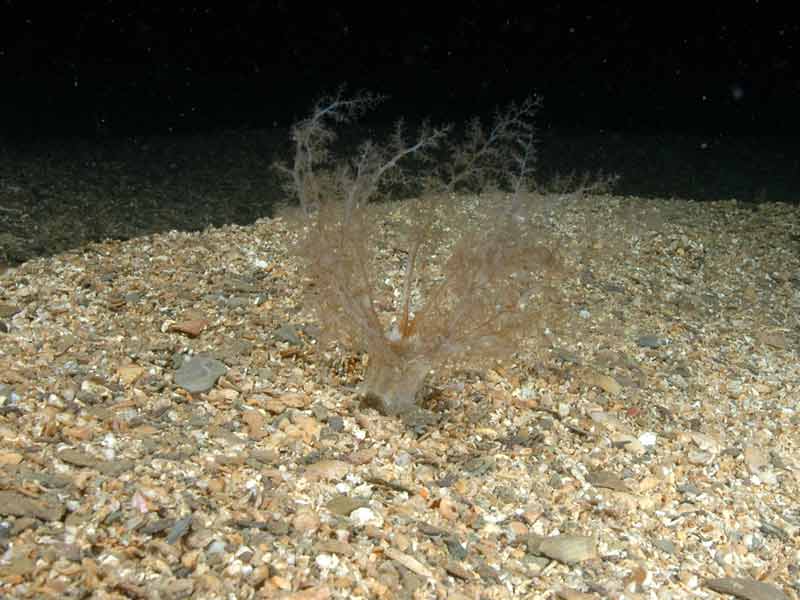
<point>335,547</point>
<point>336,423</point>
<point>570,594</point>
<point>199,374</point>
<point>224,394</point>
<point>199,538</point>
<point>308,426</point>
<point>648,439</point>
<point>628,442</point>
<point>409,562</point>
<point>606,479</point>
<point>128,374</point>
<point>518,529</point>
<point>665,546</point>
<point>755,459</point>
<point>255,424</point>
<point>157,526</point>
<point>179,529</point>
<point>455,548</point>
<point>8,310</point>
<point>606,383</point>
<point>706,442</point>
<point>402,459</point>
<point>279,405</point>
<point>366,516</point>
<point>699,457</point>
<point>317,593</point>
<point>266,457</point>
<point>192,328</point>
<point>216,485</point>
<point>776,340</point>
<point>19,566</point>
<point>288,334</point>
<point>327,469</point>
<point>22,524</point>
<point>344,505</point>
<point>448,509</point>
<point>327,561</point>
<point>178,588</point>
<point>83,434</point>
<point>10,458</point>
<point>363,456</point>
<point>78,458</point>
<point>305,521</point>
<point>215,547</point>
<point>457,570</point>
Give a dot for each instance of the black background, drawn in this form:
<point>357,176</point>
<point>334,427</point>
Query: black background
<point>131,68</point>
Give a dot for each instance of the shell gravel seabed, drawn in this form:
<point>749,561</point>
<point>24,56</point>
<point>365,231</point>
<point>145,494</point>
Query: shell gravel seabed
<point>654,455</point>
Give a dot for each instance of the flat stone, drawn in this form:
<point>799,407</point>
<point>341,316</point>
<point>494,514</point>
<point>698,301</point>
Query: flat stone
<point>327,469</point>
<point>651,341</point>
<point>606,479</point>
<point>746,589</point>
<point>567,549</point>
<point>78,458</point>
<point>344,505</point>
<point>46,509</point>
